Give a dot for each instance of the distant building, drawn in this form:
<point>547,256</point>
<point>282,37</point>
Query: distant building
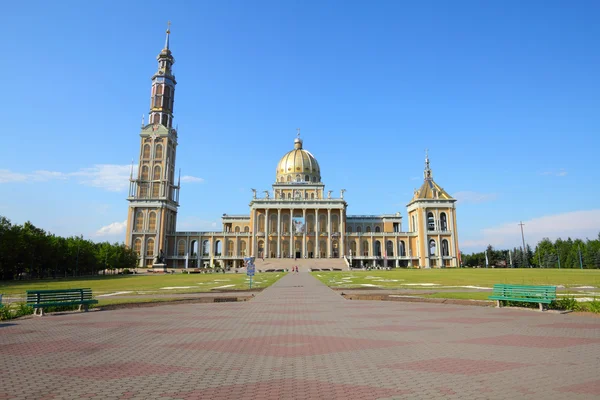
<point>297,219</point>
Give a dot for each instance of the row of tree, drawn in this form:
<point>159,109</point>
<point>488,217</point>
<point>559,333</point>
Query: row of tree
<point>547,254</point>
<point>28,251</point>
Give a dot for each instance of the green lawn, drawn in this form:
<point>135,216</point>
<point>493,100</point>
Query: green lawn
<point>144,284</point>
<point>444,278</point>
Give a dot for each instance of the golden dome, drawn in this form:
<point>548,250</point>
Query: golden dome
<point>298,165</point>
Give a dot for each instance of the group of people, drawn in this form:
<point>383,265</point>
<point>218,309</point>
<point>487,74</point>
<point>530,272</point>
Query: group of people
<point>295,268</point>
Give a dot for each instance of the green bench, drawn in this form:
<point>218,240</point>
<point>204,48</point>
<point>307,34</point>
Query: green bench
<point>38,299</point>
<point>530,294</point>
<point>1,305</point>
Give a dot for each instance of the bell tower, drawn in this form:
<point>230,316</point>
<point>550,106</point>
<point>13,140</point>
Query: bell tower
<point>153,194</point>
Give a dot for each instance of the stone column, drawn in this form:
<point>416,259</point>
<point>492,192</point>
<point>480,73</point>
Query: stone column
<point>317,234</point>
<point>279,232</point>
<point>342,233</point>
<point>329,233</point>
<point>303,254</point>
<point>292,250</point>
<point>266,233</point>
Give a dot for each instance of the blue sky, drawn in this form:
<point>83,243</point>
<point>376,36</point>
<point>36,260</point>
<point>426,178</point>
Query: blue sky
<point>504,95</point>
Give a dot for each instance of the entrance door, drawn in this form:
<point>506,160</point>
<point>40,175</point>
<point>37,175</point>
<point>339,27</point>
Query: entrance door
<point>298,255</point>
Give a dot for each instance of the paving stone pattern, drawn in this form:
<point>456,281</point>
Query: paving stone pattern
<point>300,340</point>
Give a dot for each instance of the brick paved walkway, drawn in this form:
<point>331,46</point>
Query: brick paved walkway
<point>300,340</point>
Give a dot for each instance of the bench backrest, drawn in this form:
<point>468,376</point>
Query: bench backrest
<point>58,296</point>
<point>524,291</point>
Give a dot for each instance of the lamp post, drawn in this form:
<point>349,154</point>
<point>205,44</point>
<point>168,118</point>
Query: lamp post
<point>558,256</point>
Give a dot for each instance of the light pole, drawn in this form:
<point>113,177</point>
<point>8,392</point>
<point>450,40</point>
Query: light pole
<point>558,256</point>
<point>524,248</point>
<point>580,259</point>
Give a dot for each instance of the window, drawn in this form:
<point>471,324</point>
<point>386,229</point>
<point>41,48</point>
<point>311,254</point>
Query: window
<point>358,229</point>
<point>261,223</point>
<point>432,248</point>
<point>243,248</point>
<point>146,153</point>
<point>312,195</point>
<point>365,249</point>
<point>246,229</point>
<point>150,247</point>
<point>430,222</point>
<point>156,175</point>
<point>401,249</point>
<point>139,221</point>
<point>158,151</point>
<point>377,248</point>
<point>194,248</point>
<point>414,225</point>
<point>368,229</point>
<point>445,251</point>
<point>349,229</point>
<point>353,248</point>
<point>181,248</point>
<point>155,189</point>
<point>377,229</point>
<point>289,178</point>
<point>145,173</point>
<point>443,222</point>
<point>152,222</point>
<point>218,248</point>
<point>237,229</point>
<point>389,249</point>
<point>306,178</point>
<point>137,246</point>
<point>334,223</point>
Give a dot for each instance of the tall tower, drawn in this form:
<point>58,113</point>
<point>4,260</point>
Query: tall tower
<point>153,195</point>
<point>432,216</point>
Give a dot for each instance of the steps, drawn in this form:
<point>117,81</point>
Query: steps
<point>304,264</point>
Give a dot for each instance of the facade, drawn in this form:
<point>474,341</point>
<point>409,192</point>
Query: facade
<point>296,219</point>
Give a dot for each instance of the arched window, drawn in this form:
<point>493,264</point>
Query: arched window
<point>158,151</point>
<point>230,248</point>
<point>430,222</point>
<point>334,223</point>
<point>218,248</point>
<point>314,179</point>
<point>261,223</point>
<point>146,153</point>
<point>322,223</point>
<point>155,189</point>
<point>358,229</point>
<point>306,178</point>
<point>377,248</point>
<point>402,249</point>
<point>432,248</point>
<point>310,223</point>
<point>194,248</point>
<point>298,178</point>
<point>368,229</point>
<point>152,222</point>
<point>150,247</point>
<point>145,173</point>
<point>389,250</point>
<point>312,195</point>
<point>137,246</point>
<point>165,120</point>
<point>181,248</point>
<point>414,225</point>
<point>246,229</point>
<point>365,249</point>
<point>237,229</point>
<point>377,229</point>
<point>443,222</point>
<point>353,248</point>
<point>289,195</point>
<point>243,248</point>
<point>156,175</point>
<point>289,178</point>
<point>139,221</point>
<point>445,251</point>
<point>205,248</point>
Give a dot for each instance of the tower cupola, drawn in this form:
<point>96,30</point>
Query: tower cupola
<point>163,87</point>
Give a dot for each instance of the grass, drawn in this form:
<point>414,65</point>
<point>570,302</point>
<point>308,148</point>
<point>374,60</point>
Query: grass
<point>144,284</point>
<point>403,278</point>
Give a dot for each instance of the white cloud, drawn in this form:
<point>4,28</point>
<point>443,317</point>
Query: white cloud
<point>111,177</point>
<point>560,172</point>
<point>116,228</point>
<point>474,197</point>
<point>191,179</point>
<point>575,224</point>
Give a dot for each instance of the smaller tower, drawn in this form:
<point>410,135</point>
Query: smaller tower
<point>432,215</point>
<point>153,193</point>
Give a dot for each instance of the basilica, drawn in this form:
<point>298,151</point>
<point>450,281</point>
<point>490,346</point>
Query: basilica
<point>297,219</point>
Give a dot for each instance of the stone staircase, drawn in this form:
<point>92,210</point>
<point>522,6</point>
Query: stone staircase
<point>304,264</point>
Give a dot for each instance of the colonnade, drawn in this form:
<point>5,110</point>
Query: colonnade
<point>320,235</point>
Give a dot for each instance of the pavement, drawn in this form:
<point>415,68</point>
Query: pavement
<point>300,340</point>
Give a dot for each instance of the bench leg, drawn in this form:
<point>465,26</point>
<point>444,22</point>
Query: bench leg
<point>38,311</point>
<point>79,309</point>
<point>498,305</point>
<point>541,307</point>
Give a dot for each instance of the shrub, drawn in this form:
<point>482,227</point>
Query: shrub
<point>594,306</point>
<point>565,303</point>
<point>5,313</point>
<point>23,309</point>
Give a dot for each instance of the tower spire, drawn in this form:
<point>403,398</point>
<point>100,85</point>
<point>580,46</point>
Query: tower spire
<point>168,33</point>
<point>427,172</point>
